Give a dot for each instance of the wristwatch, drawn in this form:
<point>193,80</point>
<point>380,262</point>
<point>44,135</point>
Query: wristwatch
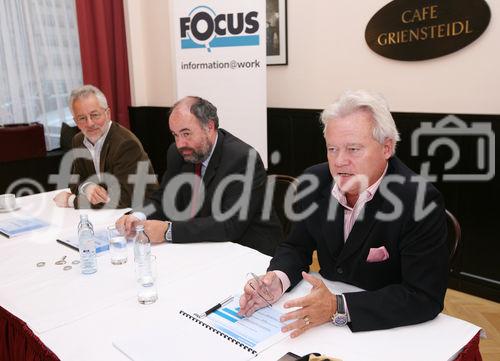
<point>168,232</point>
<point>340,316</point>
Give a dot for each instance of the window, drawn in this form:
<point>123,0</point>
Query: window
<point>39,63</point>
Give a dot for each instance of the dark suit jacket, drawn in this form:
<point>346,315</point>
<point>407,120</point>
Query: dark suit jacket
<point>407,288</point>
<point>120,154</point>
<point>229,158</point>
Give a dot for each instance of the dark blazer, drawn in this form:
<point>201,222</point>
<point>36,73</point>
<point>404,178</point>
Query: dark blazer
<point>120,154</point>
<point>229,158</point>
<point>407,288</point>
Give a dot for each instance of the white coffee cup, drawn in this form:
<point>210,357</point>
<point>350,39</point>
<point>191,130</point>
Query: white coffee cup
<point>7,201</point>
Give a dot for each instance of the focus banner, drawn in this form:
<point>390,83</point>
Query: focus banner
<point>220,55</point>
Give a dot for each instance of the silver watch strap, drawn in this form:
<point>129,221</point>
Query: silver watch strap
<point>340,304</point>
<point>168,232</point>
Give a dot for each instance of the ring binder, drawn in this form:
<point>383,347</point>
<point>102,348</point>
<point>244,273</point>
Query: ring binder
<point>253,335</point>
<point>220,333</point>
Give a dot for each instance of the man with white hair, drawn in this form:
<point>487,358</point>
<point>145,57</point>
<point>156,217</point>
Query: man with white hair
<point>108,149</point>
<point>374,223</point>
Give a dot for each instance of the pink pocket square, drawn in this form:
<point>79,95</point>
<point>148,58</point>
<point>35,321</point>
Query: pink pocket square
<point>377,255</point>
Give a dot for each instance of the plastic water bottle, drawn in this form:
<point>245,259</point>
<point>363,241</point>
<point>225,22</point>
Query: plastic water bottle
<point>86,245</point>
<point>142,246</point>
<point>144,268</point>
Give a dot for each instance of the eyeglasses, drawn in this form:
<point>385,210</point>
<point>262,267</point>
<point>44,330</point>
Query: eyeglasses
<point>260,288</point>
<point>93,116</point>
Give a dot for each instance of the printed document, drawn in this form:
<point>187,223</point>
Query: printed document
<point>17,226</point>
<point>222,335</point>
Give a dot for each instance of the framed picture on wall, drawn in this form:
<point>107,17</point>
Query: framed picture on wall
<point>276,32</point>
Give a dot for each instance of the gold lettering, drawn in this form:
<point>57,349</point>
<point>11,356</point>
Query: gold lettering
<point>467,30</point>
<point>391,38</point>
<point>417,16</point>
<point>433,12</point>
<point>441,30</point>
<point>404,36</point>
<point>456,32</point>
<point>403,16</point>
<point>382,39</point>
<point>423,33</point>
<point>414,35</point>
<point>425,12</point>
<point>433,28</point>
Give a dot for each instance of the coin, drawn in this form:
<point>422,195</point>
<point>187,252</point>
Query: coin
<point>67,268</point>
<point>61,261</point>
<point>40,264</point>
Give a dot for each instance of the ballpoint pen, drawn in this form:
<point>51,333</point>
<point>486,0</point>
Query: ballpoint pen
<point>215,308</point>
<point>256,279</point>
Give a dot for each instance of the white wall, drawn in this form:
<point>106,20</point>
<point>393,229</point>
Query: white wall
<point>327,54</point>
<point>149,52</point>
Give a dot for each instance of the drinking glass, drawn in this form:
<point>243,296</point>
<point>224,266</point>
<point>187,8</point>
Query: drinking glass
<point>117,245</point>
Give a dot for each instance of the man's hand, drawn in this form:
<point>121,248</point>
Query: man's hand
<point>155,230</point>
<point>315,309</point>
<point>126,224</point>
<point>61,199</point>
<point>96,194</point>
<point>255,294</point>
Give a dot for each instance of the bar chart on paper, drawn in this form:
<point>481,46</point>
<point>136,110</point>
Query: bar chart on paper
<point>251,331</point>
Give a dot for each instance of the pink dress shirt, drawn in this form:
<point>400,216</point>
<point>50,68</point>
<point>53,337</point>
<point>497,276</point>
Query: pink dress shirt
<point>350,216</point>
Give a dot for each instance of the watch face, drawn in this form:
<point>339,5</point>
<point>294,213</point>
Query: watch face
<point>340,320</point>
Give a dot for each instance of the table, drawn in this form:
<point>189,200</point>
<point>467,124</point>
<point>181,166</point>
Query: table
<point>71,316</point>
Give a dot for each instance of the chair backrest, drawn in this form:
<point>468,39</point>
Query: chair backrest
<point>281,186</point>
<point>22,141</point>
<point>67,134</point>
<point>454,236</point>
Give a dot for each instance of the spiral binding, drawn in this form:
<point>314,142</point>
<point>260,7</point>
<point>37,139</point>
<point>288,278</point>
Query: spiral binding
<point>229,338</point>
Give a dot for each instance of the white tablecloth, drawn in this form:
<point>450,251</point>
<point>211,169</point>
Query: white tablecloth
<point>79,316</point>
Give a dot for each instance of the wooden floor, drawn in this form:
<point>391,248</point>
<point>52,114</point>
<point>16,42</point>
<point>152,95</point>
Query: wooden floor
<point>481,312</point>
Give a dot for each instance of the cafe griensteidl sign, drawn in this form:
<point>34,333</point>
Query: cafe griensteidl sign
<point>422,29</point>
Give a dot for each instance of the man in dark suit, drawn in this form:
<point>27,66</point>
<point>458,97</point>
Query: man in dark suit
<point>213,189</point>
<point>374,223</point>
<point>105,155</point>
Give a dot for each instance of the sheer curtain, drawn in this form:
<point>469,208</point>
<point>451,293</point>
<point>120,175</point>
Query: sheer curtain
<point>39,63</point>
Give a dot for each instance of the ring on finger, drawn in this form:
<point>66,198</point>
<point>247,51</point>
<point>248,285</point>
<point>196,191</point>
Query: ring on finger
<point>307,320</point>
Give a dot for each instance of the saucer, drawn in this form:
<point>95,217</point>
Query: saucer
<point>7,210</point>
